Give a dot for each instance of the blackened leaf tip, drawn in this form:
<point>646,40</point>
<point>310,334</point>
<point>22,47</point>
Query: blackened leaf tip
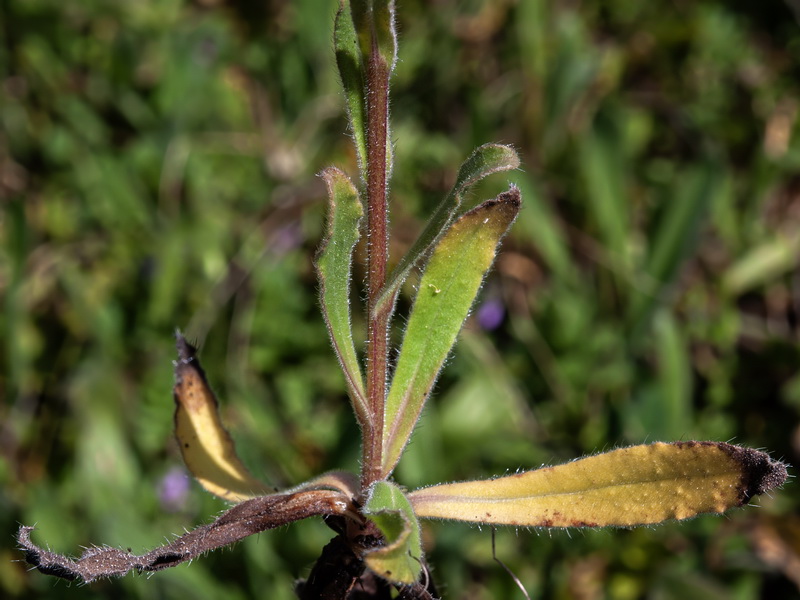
<point>510,200</point>
<point>186,352</point>
<point>765,474</point>
<point>512,195</point>
<point>760,472</point>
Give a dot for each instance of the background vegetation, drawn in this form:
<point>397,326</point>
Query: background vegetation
<point>157,170</point>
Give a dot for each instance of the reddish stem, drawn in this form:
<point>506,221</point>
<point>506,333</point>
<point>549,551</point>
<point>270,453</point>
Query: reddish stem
<point>377,255</point>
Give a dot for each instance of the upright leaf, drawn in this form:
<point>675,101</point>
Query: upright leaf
<point>351,71</point>
<point>540,224</point>
<point>675,237</point>
<point>639,485</point>
<point>374,35</point>
<point>205,444</point>
<point>485,160</point>
<point>674,374</point>
<point>375,28</point>
<point>601,162</point>
<point>400,558</point>
<point>446,292</point>
<point>334,266</point>
<point>385,32</point>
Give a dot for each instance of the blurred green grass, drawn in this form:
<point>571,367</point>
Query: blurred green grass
<point>157,170</point>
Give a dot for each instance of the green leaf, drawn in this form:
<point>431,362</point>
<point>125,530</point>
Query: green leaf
<point>540,224</point>
<point>385,31</point>
<point>351,71</point>
<point>485,160</point>
<point>334,265</point>
<point>600,160</point>
<point>675,237</point>
<point>764,263</point>
<point>400,558</point>
<point>639,485</point>
<point>362,21</point>
<point>374,21</point>
<point>674,375</point>
<point>374,34</point>
<point>446,292</point>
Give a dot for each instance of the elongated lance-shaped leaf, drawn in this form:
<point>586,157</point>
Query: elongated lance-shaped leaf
<point>376,35</point>
<point>245,519</point>
<point>351,71</point>
<point>334,266</point>
<point>779,254</point>
<point>375,28</point>
<point>630,486</point>
<point>446,292</point>
<point>676,238</point>
<point>206,446</point>
<point>400,558</point>
<point>599,158</point>
<point>385,31</point>
<point>485,160</point>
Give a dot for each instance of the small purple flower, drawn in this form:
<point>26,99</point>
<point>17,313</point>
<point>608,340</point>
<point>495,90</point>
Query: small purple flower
<point>491,314</point>
<point>174,489</point>
<point>286,238</point>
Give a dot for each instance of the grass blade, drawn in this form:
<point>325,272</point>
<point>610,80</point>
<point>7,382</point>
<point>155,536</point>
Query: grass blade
<point>764,263</point>
<point>675,237</point>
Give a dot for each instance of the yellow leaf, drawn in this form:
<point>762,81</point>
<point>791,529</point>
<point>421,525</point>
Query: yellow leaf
<point>207,448</point>
<point>625,487</point>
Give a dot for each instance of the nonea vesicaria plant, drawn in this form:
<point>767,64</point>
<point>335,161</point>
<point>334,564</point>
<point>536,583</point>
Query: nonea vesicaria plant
<point>378,544</point>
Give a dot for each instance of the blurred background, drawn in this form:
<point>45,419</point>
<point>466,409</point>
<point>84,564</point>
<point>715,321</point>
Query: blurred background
<point>158,166</point>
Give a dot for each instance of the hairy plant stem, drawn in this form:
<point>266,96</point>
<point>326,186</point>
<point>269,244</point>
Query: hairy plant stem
<point>377,255</point>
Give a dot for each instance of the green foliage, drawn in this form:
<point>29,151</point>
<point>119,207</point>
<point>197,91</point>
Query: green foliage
<point>453,275</point>
<point>154,169</point>
<point>334,267</point>
<point>485,160</point>
<point>374,22</point>
<point>401,558</point>
<point>350,64</point>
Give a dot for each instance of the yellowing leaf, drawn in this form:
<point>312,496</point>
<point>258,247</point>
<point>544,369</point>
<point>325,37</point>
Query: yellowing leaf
<point>341,481</point>
<point>630,486</point>
<point>206,446</point>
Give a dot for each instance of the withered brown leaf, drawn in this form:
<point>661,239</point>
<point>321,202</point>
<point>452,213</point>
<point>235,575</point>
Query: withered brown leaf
<point>245,519</point>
